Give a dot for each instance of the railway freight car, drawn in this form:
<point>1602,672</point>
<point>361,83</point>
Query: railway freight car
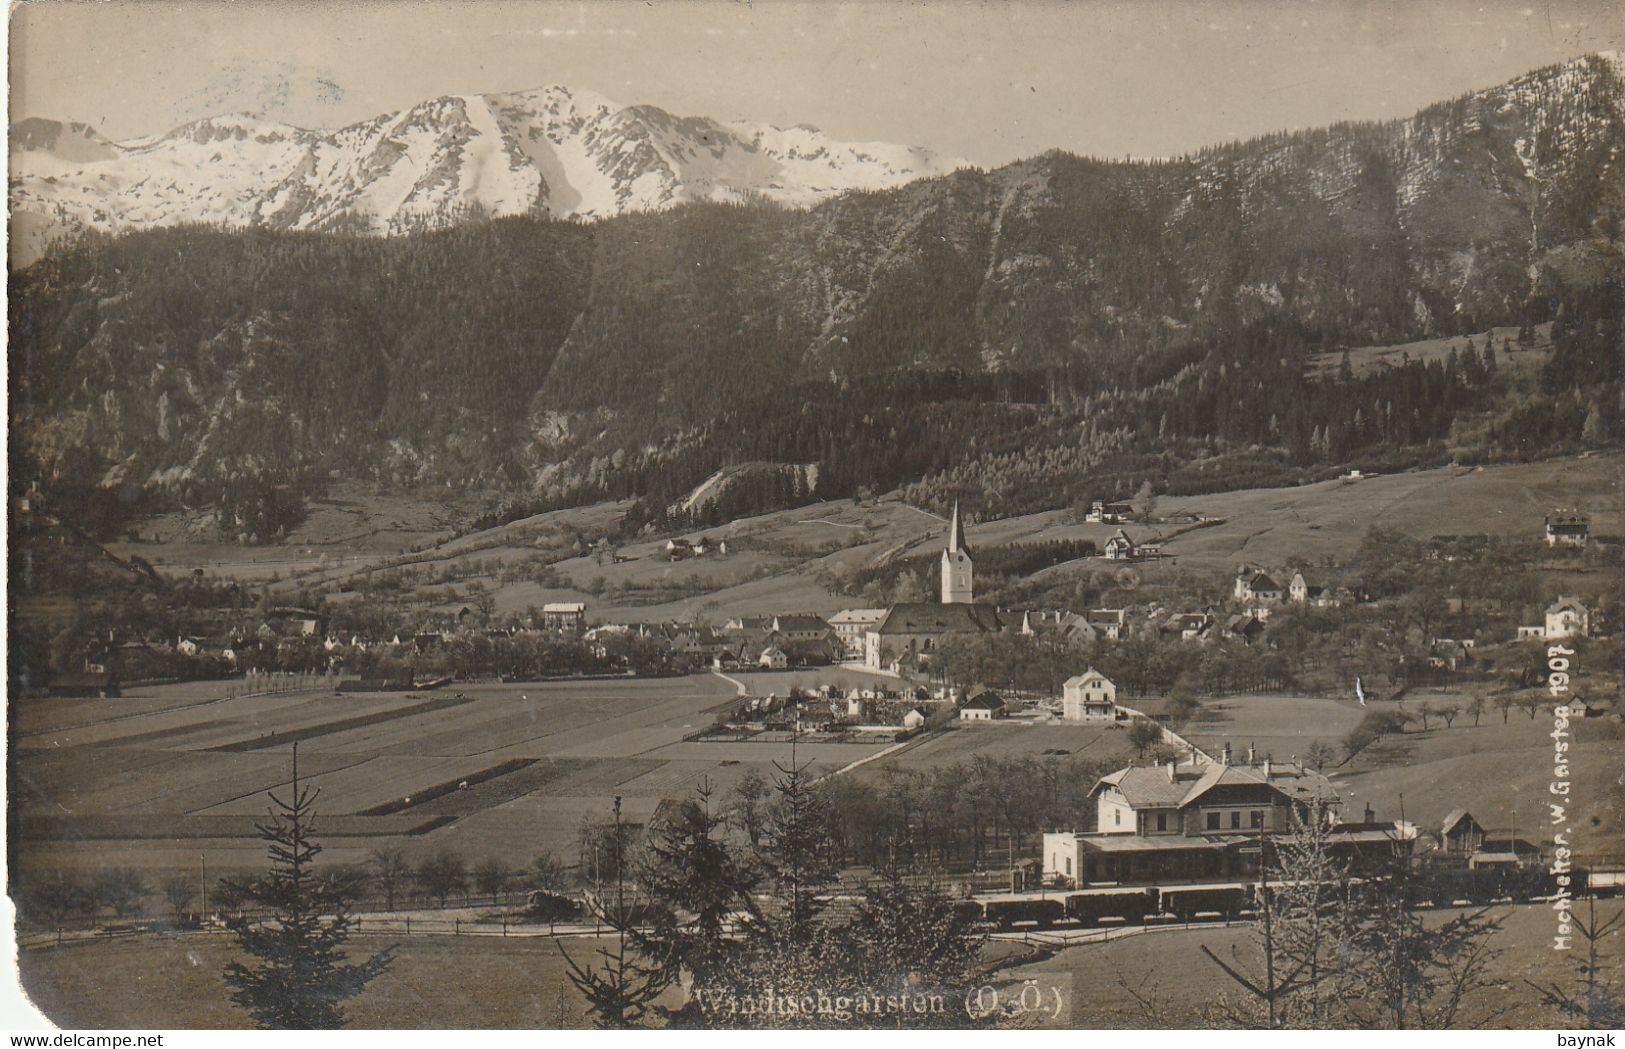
<point>1130,905</point>
<point>1187,902</point>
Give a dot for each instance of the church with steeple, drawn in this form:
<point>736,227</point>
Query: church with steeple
<point>957,585</point>
<point>905,639</point>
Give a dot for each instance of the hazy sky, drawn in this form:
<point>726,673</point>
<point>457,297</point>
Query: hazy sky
<point>985,81</point>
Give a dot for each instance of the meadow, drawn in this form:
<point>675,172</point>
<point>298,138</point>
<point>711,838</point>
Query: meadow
<point>178,776</point>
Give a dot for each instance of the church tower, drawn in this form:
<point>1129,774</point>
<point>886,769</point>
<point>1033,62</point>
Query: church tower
<point>956,565</point>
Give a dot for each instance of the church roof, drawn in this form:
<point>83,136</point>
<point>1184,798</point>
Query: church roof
<point>923,617</point>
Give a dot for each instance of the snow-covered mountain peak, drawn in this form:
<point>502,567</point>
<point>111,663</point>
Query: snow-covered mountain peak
<point>554,149</point>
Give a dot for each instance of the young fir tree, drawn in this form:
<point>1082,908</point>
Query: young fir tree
<point>907,938</point>
<point>301,979</point>
<point>623,984</point>
<point>700,884</point>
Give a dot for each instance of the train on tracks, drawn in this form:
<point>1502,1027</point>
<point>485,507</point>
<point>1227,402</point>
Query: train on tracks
<point>1137,905</point>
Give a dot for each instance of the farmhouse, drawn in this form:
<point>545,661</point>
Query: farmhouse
<point>1567,528</point>
<point>1109,513</point>
<point>773,658</point>
<point>984,706</point>
<point>1089,696</point>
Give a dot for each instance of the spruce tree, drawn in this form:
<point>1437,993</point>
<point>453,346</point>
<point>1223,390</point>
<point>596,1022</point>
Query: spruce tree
<point>624,983</point>
<point>301,980</point>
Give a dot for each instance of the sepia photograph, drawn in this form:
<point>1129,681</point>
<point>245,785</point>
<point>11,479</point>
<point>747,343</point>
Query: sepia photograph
<point>810,514</point>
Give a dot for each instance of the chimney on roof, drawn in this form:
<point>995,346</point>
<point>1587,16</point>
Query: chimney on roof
<point>1171,764</point>
<point>1266,767</point>
<point>1225,756</point>
<point>1251,755</point>
<point>1370,816</point>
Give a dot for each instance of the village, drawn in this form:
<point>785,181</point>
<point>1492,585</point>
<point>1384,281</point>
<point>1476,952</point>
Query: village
<point>878,686</point>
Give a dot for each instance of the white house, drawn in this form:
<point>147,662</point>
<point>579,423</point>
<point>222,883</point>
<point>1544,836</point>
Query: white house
<point>1567,617</point>
<point>1089,696</point>
<point>985,707</point>
<point>913,719</point>
<point>1121,548</point>
<point>773,658</point>
<point>1567,528</point>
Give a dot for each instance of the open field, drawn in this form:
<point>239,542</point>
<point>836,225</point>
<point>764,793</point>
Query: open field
<point>169,774</point>
<point>1010,739</point>
<point>1168,967</point>
<point>1281,727</point>
<point>1502,774</point>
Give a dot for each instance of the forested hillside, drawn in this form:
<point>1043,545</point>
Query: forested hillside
<point>1054,329</point>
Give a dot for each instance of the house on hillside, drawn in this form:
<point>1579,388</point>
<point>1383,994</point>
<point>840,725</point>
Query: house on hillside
<point>1257,588</point>
<point>677,549</point>
<point>1089,696</point>
<point>1567,528</point>
<point>1109,513</point>
<point>1567,617</point>
<point>1121,548</point>
<point>984,706</point>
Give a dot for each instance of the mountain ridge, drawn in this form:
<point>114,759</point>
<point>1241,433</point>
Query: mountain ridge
<point>552,150</point>
<point>1115,320</point>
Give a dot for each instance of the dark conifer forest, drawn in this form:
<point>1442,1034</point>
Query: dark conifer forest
<point>1058,329</point>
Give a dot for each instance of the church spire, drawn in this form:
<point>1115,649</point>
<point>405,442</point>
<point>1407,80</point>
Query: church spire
<point>957,586</point>
<point>956,533</point>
